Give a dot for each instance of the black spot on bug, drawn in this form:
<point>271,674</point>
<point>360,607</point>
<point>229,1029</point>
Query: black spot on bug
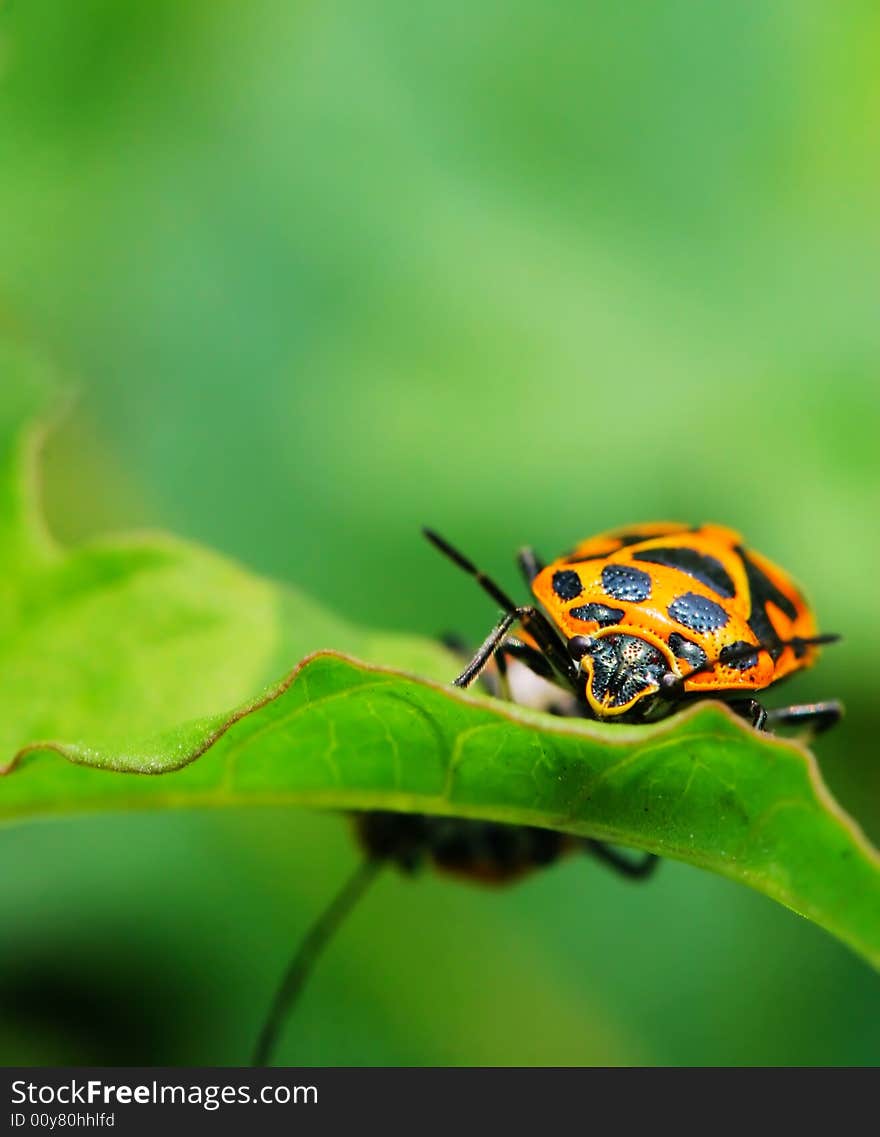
<point>567,584</point>
<point>624,582</point>
<point>762,592</point>
<point>707,570</point>
<point>740,655</point>
<point>683,648</point>
<point>601,613</point>
<point>697,613</point>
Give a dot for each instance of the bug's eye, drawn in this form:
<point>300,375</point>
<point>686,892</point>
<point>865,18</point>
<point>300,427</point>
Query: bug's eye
<point>671,685</point>
<point>579,646</point>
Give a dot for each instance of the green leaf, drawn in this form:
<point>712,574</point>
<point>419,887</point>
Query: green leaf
<point>151,656</point>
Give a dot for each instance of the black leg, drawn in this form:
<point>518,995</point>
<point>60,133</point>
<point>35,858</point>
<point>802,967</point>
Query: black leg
<point>634,869</point>
<point>485,651</point>
<point>541,662</point>
<point>530,656</point>
<point>552,695</point>
<point>534,622</point>
<point>494,684</point>
<point>815,716</point>
<point>503,684</point>
<point>510,648</point>
<point>556,663</point>
<point>551,646</point>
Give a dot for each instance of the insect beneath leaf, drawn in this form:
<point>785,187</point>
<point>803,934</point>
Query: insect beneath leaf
<point>629,626</point>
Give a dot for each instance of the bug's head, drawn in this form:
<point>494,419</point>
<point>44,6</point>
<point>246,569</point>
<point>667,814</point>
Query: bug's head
<point>623,670</point>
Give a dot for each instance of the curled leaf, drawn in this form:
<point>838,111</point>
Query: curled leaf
<point>129,659</point>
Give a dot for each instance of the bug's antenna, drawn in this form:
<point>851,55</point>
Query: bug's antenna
<point>486,583</point>
<point>676,689</point>
<point>307,953</point>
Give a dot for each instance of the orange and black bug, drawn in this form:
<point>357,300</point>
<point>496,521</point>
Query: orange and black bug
<point>628,627</point>
<point>636,622</point>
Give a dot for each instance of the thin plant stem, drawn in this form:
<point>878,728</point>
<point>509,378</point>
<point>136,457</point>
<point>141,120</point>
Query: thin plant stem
<point>307,953</point>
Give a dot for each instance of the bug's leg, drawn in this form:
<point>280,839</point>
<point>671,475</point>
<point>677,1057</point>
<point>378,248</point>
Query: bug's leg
<point>817,717</point>
<point>751,710</point>
<point>496,680</point>
<point>530,564</point>
<point>533,621</point>
<point>639,869</point>
<point>533,659</point>
<point>503,677</point>
<point>533,682</point>
<point>550,645</point>
<point>551,661</point>
<point>459,647</point>
<point>485,651</point>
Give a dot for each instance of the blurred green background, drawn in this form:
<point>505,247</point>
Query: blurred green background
<point>324,273</point>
